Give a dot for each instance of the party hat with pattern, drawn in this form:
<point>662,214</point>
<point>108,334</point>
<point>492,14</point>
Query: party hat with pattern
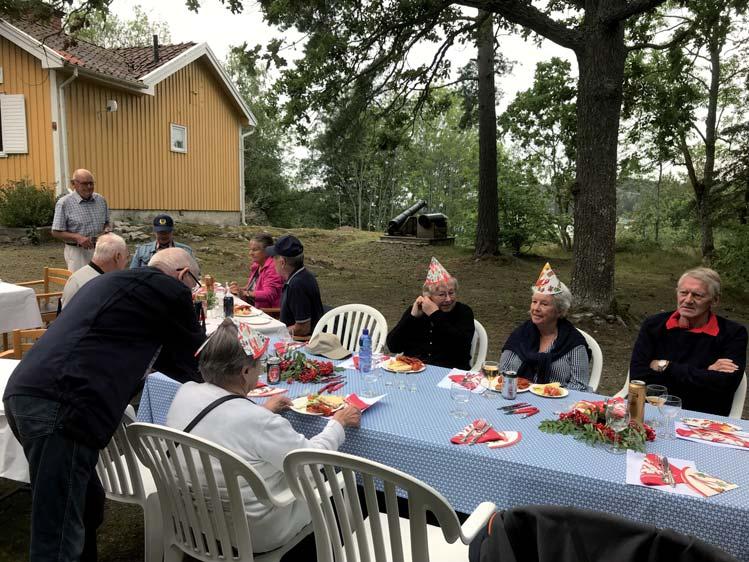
<point>253,343</point>
<point>548,283</point>
<point>437,274</point>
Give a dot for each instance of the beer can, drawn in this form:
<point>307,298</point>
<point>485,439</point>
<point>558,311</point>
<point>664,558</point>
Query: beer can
<point>273,370</point>
<point>636,400</point>
<point>509,385</point>
<point>228,306</point>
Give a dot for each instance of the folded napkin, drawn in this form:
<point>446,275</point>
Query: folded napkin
<point>353,362</point>
<point>653,474</point>
<point>647,471</point>
<point>712,437</point>
<point>260,384</point>
<point>363,403</point>
<point>284,346</point>
<point>703,423</point>
<point>469,380</point>
<point>489,436</point>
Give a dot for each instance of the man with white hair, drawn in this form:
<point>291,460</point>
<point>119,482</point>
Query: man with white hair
<point>696,354</point>
<point>110,254</point>
<point>65,399</point>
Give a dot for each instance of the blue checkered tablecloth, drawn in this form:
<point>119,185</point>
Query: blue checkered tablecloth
<point>411,431</point>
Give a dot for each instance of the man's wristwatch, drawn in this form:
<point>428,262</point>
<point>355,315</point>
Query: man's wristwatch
<point>662,365</point>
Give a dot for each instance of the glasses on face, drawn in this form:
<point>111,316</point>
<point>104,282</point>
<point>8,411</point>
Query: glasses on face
<point>187,271</point>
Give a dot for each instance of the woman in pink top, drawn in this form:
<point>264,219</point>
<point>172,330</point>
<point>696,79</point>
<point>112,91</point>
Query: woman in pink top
<point>264,286</point>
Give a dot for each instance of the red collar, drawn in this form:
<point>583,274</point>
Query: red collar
<point>710,327</point>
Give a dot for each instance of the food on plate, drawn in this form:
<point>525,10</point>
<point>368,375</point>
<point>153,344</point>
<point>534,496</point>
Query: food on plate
<point>403,363</point>
<point>549,389</point>
<point>325,405</point>
<point>242,310</point>
<point>497,383</point>
<point>523,383</point>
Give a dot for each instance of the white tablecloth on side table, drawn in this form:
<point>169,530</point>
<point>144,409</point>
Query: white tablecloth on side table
<point>13,463</point>
<point>18,308</point>
<point>270,326</point>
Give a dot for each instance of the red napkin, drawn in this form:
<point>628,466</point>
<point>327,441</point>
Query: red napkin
<point>490,435</point>
<point>357,402</point>
<point>714,436</point>
<point>651,472</point>
<point>260,384</point>
<point>469,381</point>
<point>283,346</point>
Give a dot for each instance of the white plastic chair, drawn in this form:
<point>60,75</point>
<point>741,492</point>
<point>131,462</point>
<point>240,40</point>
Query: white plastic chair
<point>343,533</point>
<point>193,476</point>
<point>596,361</point>
<point>479,346</point>
<point>737,407</point>
<point>126,480</point>
<point>348,321</point>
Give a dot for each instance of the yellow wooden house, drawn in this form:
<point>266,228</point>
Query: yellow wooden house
<point>160,127</point>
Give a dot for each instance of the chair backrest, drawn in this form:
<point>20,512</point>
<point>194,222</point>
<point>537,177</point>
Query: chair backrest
<point>596,361</point>
<point>55,275</point>
<point>336,517</point>
<point>24,340</point>
<point>192,477</point>
<point>348,321</point>
<point>739,397</point>
<point>118,467</point>
<point>625,389</point>
<point>479,346</point>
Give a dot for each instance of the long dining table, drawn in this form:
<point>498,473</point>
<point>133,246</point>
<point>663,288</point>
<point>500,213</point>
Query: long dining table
<point>410,429</point>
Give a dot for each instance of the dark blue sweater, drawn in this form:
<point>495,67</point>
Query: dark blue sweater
<point>690,354</point>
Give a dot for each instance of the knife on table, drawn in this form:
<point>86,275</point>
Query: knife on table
<point>479,434</point>
<point>667,472</point>
<point>514,406</point>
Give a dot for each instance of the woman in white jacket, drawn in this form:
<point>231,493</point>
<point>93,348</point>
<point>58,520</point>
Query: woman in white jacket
<point>255,432</point>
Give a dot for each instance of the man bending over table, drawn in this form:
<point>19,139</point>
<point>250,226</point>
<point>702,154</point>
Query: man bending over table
<point>301,306</point>
<point>696,354</point>
<point>67,396</point>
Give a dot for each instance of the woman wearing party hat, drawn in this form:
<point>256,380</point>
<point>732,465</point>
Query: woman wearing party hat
<point>548,348</point>
<point>436,328</point>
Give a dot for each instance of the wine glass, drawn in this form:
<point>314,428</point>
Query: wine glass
<point>460,395</point>
<point>617,418</point>
<point>490,371</point>
<point>670,408</point>
<point>655,394</point>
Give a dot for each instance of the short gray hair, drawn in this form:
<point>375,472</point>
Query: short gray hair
<point>708,276</point>
<point>431,288</point>
<point>562,300</point>
<point>107,245</point>
<point>222,359</point>
<point>172,259</point>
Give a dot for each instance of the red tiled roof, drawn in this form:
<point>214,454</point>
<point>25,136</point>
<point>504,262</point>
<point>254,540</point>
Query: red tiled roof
<point>129,64</point>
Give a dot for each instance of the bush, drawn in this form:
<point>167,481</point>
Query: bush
<point>23,204</point>
<point>732,256</point>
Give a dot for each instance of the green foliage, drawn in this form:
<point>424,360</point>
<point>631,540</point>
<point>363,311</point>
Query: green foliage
<point>108,30</point>
<point>23,204</point>
<point>733,255</point>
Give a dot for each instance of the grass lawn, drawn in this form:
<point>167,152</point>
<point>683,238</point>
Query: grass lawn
<point>354,266</point>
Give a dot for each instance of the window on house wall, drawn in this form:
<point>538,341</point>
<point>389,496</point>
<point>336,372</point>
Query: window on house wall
<point>178,137</point>
<point>13,137</point>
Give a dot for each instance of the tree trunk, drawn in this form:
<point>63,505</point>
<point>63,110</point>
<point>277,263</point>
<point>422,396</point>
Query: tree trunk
<point>487,224</point>
<point>658,202</point>
<point>601,63</point>
<point>704,214</point>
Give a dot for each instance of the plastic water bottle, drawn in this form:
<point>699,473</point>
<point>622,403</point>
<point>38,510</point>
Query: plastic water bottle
<point>365,352</point>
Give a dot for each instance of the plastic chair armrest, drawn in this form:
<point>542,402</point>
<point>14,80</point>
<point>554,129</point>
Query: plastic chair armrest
<point>476,521</point>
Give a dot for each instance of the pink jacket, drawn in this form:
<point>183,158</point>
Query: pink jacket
<point>269,285</point>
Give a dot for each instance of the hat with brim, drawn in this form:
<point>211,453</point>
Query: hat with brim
<point>163,223</point>
<point>287,246</point>
<point>327,345</point>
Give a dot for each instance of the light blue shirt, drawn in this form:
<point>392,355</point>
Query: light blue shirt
<point>145,252</point>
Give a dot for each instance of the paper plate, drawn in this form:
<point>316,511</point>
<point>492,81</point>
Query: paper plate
<point>265,391</point>
<point>299,405</point>
<point>538,390</point>
<point>254,320</point>
<point>387,368</point>
<point>512,438</point>
<point>485,383</point>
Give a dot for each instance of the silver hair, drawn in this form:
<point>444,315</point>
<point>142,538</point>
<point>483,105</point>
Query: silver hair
<point>107,246</point>
<point>430,288</point>
<point>172,259</point>
<point>222,359</point>
<point>562,300</point>
<point>708,276</point>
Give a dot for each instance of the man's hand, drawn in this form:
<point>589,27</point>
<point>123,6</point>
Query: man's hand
<point>428,306</point>
<point>723,366</point>
<point>278,403</point>
<point>349,416</point>
<point>416,311</point>
<point>234,288</point>
<point>85,242</point>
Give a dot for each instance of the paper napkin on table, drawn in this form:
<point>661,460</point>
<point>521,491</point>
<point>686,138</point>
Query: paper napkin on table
<point>646,470</point>
<point>284,346</point>
<point>712,437</point>
<point>353,362</point>
<point>363,403</point>
<point>489,436</point>
<point>472,381</point>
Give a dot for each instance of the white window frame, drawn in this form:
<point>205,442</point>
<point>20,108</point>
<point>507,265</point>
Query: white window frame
<point>174,128</point>
<point>13,125</point>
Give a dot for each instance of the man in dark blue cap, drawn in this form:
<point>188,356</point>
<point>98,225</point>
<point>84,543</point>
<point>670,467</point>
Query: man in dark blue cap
<point>301,305</point>
<point>163,228</point>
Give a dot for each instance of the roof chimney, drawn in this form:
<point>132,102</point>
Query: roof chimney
<point>155,48</point>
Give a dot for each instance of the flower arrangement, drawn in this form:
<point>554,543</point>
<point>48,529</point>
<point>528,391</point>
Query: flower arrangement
<point>586,421</point>
<point>296,366</point>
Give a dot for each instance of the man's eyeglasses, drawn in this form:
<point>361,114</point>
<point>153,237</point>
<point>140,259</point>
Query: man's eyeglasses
<point>85,183</point>
<point>187,271</point>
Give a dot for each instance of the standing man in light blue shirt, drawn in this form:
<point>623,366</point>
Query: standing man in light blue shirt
<point>80,217</point>
<point>163,229</point>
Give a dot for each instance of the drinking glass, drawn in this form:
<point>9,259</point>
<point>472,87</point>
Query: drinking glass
<point>490,370</point>
<point>460,395</point>
<point>617,418</point>
<point>370,379</point>
<point>671,408</point>
<point>655,394</point>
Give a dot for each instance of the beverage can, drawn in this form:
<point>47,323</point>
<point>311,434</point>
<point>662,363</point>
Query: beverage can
<point>509,385</point>
<point>273,370</point>
<point>228,306</point>
<point>636,400</point>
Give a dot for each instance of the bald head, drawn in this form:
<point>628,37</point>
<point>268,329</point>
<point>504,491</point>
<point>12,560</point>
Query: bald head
<point>83,183</point>
<point>176,262</point>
